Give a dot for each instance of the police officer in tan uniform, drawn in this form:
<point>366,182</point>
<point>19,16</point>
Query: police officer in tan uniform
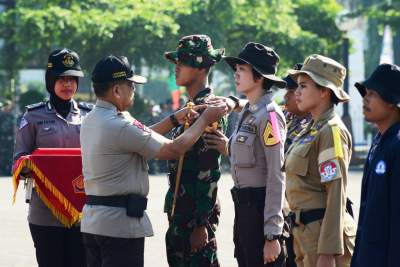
<point>115,148</point>
<point>54,123</point>
<point>256,151</point>
<point>316,168</point>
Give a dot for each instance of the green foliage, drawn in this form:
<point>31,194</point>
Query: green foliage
<point>31,97</point>
<point>144,29</point>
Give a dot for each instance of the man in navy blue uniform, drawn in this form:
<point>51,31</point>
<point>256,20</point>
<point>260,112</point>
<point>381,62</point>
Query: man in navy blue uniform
<point>378,234</point>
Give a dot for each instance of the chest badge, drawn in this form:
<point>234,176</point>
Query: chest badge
<point>241,139</point>
<point>380,167</point>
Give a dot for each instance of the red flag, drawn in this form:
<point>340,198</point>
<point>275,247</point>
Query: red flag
<point>57,174</point>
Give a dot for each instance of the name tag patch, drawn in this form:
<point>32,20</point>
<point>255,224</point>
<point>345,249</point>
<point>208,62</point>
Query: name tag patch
<point>248,128</point>
<point>380,167</point>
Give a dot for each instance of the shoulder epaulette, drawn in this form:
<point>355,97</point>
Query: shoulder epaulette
<point>35,106</point>
<point>85,106</point>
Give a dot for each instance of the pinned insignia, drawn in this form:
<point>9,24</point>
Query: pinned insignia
<point>199,59</point>
<point>78,185</point>
<point>23,123</point>
<point>68,61</point>
<point>380,167</point>
<point>269,137</point>
<point>251,120</point>
<point>139,125</point>
<point>308,139</point>
<point>328,171</point>
<point>241,139</point>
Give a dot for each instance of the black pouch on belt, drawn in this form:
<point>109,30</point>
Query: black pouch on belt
<point>135,205</point>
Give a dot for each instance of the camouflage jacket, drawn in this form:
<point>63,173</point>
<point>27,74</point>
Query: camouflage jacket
<point>197,197</point>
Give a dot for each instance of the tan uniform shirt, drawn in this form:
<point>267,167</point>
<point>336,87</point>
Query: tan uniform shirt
<point>257,155</point>
<point>316,168</point>
<point>115,148</point>
<point>41,126</point>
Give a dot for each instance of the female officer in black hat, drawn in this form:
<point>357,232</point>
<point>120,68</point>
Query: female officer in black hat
<point>55,123</point>
<point>256,150</point>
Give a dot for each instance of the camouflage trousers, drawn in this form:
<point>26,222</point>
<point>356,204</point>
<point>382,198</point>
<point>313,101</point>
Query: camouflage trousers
<point>178,247</point>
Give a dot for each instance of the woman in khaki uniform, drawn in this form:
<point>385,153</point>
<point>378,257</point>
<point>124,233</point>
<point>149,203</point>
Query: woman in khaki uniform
<point>316,168</point>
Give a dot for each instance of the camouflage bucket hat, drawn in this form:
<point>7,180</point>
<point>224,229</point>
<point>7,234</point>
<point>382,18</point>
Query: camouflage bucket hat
<point>195,51</point>
<point>325,72</point>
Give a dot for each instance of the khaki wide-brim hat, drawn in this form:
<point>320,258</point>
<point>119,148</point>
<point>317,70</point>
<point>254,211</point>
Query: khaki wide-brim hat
<point>326,72</point>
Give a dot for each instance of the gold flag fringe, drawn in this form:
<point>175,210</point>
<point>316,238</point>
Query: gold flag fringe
<point>75,214</point>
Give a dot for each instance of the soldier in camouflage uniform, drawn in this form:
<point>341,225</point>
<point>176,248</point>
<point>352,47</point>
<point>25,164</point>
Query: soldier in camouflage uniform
<point>190,238</point>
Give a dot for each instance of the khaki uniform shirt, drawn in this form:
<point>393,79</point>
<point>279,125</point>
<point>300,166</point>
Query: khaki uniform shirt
<point>257,155</point>
<point>41,126</point>
<point>115,148</point>
<point>316,168</point>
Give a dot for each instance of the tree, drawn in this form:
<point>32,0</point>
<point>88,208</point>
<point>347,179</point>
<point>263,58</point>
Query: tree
<point>144,29</point>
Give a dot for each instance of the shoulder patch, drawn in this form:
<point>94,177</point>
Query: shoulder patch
<point>270,136</point>
<point>35,106</point>
<point>139,125</point>
<point>329,170</point>
<point>85,106</point>
<point>23,123</point>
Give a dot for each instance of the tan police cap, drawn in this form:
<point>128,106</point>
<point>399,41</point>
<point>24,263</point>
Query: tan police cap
<point>325,72</point>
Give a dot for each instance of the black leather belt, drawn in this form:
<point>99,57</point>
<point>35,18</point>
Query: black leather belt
<point>308,216</point>
<point>134,204</point>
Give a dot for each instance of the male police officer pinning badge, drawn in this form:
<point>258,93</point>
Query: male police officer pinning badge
<point>380,167</point>
<point>328,171</point>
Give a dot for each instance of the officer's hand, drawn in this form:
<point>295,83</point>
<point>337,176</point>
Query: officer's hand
<point>198,238</point>
<point>187,113</point>
<point>216,140</point>
<point>230,104</point>
<point>214,112</point>
<point>326,260</point>
<point>272,249</point>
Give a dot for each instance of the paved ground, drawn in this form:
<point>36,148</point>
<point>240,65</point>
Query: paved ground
<point>16,248</point>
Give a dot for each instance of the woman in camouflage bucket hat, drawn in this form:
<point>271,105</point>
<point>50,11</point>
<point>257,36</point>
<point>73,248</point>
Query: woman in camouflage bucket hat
<point>316,167</point>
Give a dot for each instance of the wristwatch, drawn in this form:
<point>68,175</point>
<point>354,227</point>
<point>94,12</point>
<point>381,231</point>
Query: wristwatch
<point>173,120</point>
<point>236,100</point>
<point>271,237</point>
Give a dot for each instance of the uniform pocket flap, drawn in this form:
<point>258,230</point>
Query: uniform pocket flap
<point>244,150</point>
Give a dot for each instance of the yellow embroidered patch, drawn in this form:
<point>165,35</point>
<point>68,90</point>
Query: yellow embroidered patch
<point>269,138</point>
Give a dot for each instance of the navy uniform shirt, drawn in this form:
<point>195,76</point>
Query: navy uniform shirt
<point>378,234</point>
<point>41,126</point>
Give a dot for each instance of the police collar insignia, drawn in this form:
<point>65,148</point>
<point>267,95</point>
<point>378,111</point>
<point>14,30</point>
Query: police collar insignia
<point>253,108</point>
<point>380,167</point>
<point>327,171</point>
<point>68,61</point>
